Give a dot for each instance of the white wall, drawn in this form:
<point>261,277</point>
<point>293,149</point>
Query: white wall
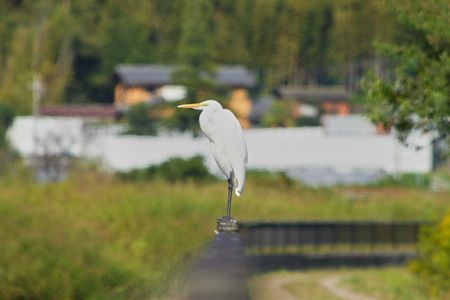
<point>124,152</point>
<point>280,148</point>
<point>29,136</point>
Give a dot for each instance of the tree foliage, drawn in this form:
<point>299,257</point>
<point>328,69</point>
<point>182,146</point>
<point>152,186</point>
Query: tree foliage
<point>6,118</point>
<point>280,114</point>
<point>180,120</point>
<point>195,57</point>
<point>140,121</point>
<point>418,97</point>
<point>173,170</point>
<point>434,264</point>
<point>74,45</point>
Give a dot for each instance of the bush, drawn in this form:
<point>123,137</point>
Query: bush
<point>6,118</point>
<point>434,264</point>
<point>174,169</point>
<point>404,180</point>
<point>181,120</point>
<point>266,178</point>
<point>308,121</point>
<point>140,121</point>
<point>280,114</point>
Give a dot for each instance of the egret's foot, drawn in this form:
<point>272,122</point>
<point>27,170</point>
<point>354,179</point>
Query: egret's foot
<point>227,224</point>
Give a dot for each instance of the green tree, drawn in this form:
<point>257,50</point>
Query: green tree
<point>279,115</point>
<point>6,118</point>
<point>165,29</point>
<point>74,45</point>
<point>53,54</point>
<point>264,30</point>
<point>123,34</point>
<point>230,29</point>
<point>419,95</point>
<point>357,25</point>
<point>195,53</point>
<point>314,40</point>
<point>17,76</point>
<point>195,47</point>
<point>42,46</point>
<point>181,120</point>
<point>140,121</point>
<point>288,46</point>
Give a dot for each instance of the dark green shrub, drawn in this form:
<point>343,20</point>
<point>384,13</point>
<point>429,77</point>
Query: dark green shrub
<point>279,115</point>
<point>6,115</point>
<point>267,178</point>
<point>404,180</point>
<point>174,169</point>
<point>308,121</point>
<point>6,118</point>
<point>181,119</point>
<point>140,121</point>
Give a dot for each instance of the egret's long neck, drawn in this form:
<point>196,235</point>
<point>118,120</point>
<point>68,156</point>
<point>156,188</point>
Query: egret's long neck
<point>206,119</point>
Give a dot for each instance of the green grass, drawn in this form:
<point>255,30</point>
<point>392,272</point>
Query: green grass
<point>386,283</point>
<point>96,237</point>
<point>391,283</point>
<point>405,180</point>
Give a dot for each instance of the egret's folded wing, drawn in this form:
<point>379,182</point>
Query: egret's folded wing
<point>233,145</point>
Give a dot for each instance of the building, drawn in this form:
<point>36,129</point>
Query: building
<point>332,100</point>
<point>105,112</point>
<point>90,112</point>
<point>144,83</point>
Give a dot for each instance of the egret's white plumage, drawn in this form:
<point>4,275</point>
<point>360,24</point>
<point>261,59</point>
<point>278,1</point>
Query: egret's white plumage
<point>226,139</point>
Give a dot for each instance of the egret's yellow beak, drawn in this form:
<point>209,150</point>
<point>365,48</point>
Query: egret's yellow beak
<point>193,105</point>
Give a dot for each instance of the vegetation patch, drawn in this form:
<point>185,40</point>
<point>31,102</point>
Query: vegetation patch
<point>434,264</point>
<point>172,170</point>
<point>386,283</point>
<point>98,236</point>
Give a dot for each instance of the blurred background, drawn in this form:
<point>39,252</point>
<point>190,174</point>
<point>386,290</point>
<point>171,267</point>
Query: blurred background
<point>107,190</point>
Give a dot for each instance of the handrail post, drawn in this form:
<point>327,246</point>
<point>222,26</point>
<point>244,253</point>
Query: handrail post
<point>221,273</point>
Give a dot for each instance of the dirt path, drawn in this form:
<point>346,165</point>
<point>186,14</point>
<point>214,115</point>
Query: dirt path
<point>332,284</point>
<point>276,287</point>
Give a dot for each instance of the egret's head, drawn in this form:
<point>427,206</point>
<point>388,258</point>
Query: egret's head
<point>202,105</point>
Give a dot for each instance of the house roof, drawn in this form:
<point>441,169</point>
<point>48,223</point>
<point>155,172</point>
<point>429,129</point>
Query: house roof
<point>260,108</point>
<point>144,74</point>
<point>235,76</point>
<point>85,111</point>
<point>156,75</point>
<point>315,94</point>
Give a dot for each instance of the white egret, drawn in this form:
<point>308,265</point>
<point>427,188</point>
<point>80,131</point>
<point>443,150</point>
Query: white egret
<point>227,144</point>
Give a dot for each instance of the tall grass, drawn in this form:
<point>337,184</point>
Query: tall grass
<point>96,237</point>
<point>390,283</point>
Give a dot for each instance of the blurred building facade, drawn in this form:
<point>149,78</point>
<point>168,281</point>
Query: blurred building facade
<point>330,99</point>
<point>87,112</point>
<point>145,82</point>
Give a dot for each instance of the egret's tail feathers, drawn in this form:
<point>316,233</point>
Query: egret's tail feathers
<point>238,187</point>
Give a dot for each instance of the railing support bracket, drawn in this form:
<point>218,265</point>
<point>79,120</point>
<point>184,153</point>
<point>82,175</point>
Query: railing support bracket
<point>227,224</point>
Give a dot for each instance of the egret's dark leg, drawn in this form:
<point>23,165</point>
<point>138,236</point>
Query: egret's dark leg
<point>230,194</point>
